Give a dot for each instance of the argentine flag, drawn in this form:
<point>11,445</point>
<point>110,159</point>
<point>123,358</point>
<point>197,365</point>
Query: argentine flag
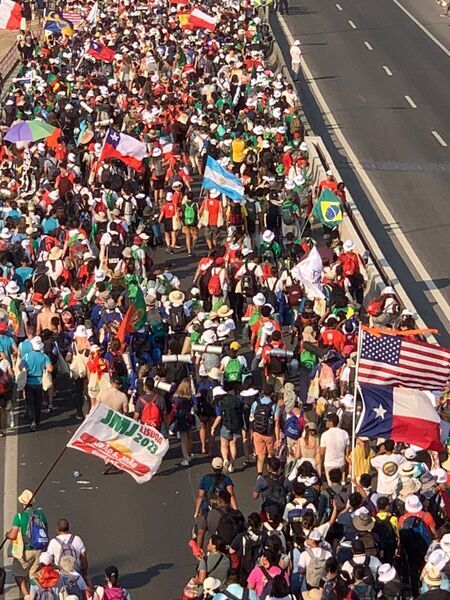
<point>215,176</point>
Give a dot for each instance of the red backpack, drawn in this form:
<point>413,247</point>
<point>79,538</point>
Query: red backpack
<point>350,264</point>
<point>214,285</point>
<point>375,307</point>
<point>151,415</point>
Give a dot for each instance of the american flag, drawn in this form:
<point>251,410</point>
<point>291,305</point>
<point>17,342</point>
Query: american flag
<point>72,16</point>
<point>398,361</point>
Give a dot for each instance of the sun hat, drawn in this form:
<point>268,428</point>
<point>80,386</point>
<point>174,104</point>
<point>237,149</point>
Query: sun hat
<point>304,147</point>
<point>215,373</point>
<point>348,400</point>
<point>176,297</point>
<point>209,324</point>
<point>12,288</point>
<point>445,543</point>
<point>388,290</point>
<point>315,535</point>
<point>407,469</point>
<point>386,573</point>
<point>410,453</point>
<point>37,344</point>
<point>268,236</point>
<point>440,474</point>
<point>363,521</point>
<point>80,332</point>
<point>214,193</point>
<point>111,303</point>
<point>308,335</point>
<point>348,245</point>
<point>219,391</point>
<point>409,486</point>
<point>437,560</point>
<point>55,253</point>
<point>223,330</point>
<point>259,299</point>
<point>211,584</point>
<point>25,497</point>
<point>99,275</point>
<point>224,311</point>
<point>5,234</point>
<point>209,336</point>
<point>427,481</point>
<point>413,504</point>
<point>217,463</point>
<point>433,577</point>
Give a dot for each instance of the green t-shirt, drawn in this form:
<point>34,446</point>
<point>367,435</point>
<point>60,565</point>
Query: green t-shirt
<point>22,519</point>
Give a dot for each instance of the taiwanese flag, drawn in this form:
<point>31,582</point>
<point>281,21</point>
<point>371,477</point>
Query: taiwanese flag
<point>10,14</point>
<point>101,52</point>
<point>125,148</point>
<point>400,414</point>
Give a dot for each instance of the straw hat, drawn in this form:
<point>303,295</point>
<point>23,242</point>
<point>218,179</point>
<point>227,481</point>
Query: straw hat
<point>224,311</point>
<point>25,497</point>
<point>176,297</point>
<point>363,521</point>
<point>55,253</point>
<point>433,577</point>
<point>409,486</point>
<point>211,584</point>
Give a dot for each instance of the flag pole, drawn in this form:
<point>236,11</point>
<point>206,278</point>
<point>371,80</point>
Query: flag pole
<point>355,392</point>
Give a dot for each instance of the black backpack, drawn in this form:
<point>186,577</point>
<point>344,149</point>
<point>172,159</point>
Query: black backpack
<point>277,365</point>
<point>231,523</point>
<point>177,318</point>
<point>231,409</point>
<point>263,418</point>
<point>368,575</point>
<point>248,282</point>
<point>385,532</point>
<point>274,494</point>
<point>218,485</point>
<point>113,255</point>
<point>249,553</point>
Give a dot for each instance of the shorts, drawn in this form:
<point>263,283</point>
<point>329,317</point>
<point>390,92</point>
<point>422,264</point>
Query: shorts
<point>277,381</point>
<point>168,225</point>
<point>192,229</point>
<point>227,435</point>
<point>27,566</point>
<point>158,184</point>
<point>211,231</point>
<point>264,444</point>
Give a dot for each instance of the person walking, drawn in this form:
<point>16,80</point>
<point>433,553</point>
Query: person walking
<point>36,363</point>
<point>296,57</point>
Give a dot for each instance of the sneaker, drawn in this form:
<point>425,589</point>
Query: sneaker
<point>226,464</point>
<point>231,468</point>
<point>33,426</point>
<point>184,462</point>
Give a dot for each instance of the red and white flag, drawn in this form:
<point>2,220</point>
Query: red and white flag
<point>125,148</point>
<point>72,16</point>
<point>396,360</point>
<point>202,20</point>
<point>10,14</point>
<point>101,52</point>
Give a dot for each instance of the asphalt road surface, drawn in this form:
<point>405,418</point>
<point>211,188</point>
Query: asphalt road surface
<point>143,529</point>
<point>387,85</point>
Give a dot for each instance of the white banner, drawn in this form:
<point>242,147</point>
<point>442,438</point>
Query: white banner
<point>133,447</point>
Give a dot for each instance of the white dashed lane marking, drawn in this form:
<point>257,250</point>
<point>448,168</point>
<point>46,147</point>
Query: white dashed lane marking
<point>368,46</point>
<point>339,7</point>
<point>411,102</point>
<point>439,139</point>
<point>352,24</point>
<point>388,71</point>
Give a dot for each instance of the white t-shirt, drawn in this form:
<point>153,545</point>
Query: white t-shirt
<point>305,556</point>
<point>335,442</point>
<point>54,547</point>
<point>387,468</point>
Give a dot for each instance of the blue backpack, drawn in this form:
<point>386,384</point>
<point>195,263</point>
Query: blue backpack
<point>37,534</point>
<point>415,535</point>
<point>292,428</point>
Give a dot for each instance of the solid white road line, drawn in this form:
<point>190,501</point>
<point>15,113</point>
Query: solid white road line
<point>403,242</point>
<point>10,494</point>
<point>352,24</point>
<point>388,71</point>
<point>411,102</point>
<point>339,7</point>
<point>439,139</point>
<point>368,46</point>
<point>423,28</point>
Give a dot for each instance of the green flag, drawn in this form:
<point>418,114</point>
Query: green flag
<point>328,209</point>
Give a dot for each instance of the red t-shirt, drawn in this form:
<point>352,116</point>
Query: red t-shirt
<point>168,210</point>
<point>212,205</point>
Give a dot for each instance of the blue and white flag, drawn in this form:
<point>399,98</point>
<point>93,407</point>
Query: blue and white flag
<point>216,176</point>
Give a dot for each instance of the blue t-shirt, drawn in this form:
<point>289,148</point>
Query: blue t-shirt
<point>7,345</point>
<point>207,482</point>
<point>35,363</point>
<point>25,347</point>
<point>22,274</point>
<point>50,224</point>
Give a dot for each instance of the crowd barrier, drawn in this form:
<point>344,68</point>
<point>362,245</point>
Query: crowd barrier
<point>353,225</point>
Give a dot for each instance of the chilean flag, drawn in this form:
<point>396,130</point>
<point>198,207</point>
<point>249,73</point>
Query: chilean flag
<point>400,414</point>
<point>125,148</point>
<point>10,14</point>
<point>101,52</point>
<point>201,20</point>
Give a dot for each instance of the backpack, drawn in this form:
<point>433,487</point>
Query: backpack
<point>37,535</point>
<point>158,169</point>
<point>235,215</point>
<point>47,594</point>
<point>315,569</point>
<point>231,523</point>
<point>114,593</point>
<point>72,588</point>
<point>295,294</point>
<point>287,215</point>
<point>414,534</point>
<point>233,371</point>
<point>249,554</point>
<point>6,383</point>
<point>370,543</point>
<point>113,255</point>
<point>231,409</point>
<point>248,282</point>
<point>215,285</point>
<point>151,415</point>
<point>218,485</point>
<point>271,533</point>
<point>292,428</point>
<point>350,265</point>
<point>368,575</point>
<point>267,589</point>
<point>364,591</point>
<point>177,318</point>
<point>274,493</point>
<point>375,308</point>
<point>340,499</point>
<point>67,549</point>
<point>308,360</point>
<point>189,216</point>
<point>263,418</point>
<point>245,593</point>
<point>385,532</point>
<point>277,365</point>
<point>251,211</point>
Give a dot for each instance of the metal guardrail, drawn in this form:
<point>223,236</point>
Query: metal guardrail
<point>9,61</point>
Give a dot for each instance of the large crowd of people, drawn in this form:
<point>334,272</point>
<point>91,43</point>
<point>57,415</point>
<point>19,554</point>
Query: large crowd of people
<point>249,334</point>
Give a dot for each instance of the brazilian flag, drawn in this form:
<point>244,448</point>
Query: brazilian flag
<point>328,209</point>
